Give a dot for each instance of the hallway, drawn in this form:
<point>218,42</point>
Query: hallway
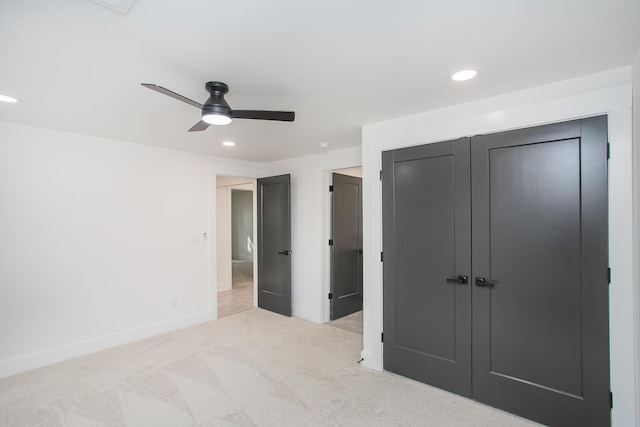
<point>240,297</point>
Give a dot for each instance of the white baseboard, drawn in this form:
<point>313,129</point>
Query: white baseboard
<point>370,361</point>
<point>224,286</point>
<point>306,314</point>
<point>92,345</point>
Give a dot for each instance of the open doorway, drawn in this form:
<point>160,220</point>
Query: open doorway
<point>235,244</point>
<point>345,249</point>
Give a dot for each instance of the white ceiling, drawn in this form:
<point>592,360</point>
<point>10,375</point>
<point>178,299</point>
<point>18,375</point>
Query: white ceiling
<point>77,66</point>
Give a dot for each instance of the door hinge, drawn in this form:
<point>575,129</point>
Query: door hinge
<point>330,242</point>
<point>609,275</point>
<point>608,151</point>
<point>380,175</point>
<point>330,295</point>
<point>381,336</point>
<point>611,399</point>
<point>331,189</point>
<point>381,257</point>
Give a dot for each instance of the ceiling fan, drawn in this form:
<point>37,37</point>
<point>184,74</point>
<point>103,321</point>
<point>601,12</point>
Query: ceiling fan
<point>216,111</point>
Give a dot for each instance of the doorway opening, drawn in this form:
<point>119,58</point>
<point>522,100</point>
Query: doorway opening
<point>235,224</point>
<point>344,272</point>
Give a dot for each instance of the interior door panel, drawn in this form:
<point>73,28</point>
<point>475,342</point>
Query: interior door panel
<point>274,244</point>
<point>523,214</point>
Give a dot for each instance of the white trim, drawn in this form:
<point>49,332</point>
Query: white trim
<point>635,82</point>
<point>255,242</point>
<point>304,313</point>
<point>82,348</point>
<point>519,110</point>
<point>326,279</point>
<point>623,334</point>
<point>213,242</point>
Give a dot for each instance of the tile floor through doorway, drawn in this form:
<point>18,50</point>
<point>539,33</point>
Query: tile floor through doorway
<point>240,297</point>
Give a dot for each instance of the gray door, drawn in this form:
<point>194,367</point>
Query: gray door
<point>539,236</point>
<point>346,248</point>
<point>427,254</point>
<point>274,244</point>
<point>538,281</point>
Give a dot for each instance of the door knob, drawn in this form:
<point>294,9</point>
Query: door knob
<point>285,252</point>
<point>462,280</point>
<point>484,283</point>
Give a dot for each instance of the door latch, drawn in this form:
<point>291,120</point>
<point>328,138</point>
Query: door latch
<point>484,283</point>
<point>285,252</point>
<point>461,280</point>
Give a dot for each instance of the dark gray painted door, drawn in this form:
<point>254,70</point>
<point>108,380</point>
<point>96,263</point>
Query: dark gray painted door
<point>540,234</point>
<point>426,235</point>
<point>346,250</point>
<point>274,244</point>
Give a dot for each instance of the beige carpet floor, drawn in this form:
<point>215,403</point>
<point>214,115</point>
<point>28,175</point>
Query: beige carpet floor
<point>253,368</point>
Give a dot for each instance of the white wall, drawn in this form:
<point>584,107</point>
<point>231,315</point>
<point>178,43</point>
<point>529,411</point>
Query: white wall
<point>357,172</point>
<point>635,67</point>
<point>608,92</point>
<point>223,237</point>
<point>309,217</point>
<point>101,242</point>
<point>226,181</point>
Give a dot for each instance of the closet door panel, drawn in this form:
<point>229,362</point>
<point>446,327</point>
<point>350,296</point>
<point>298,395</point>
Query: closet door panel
<point>539,243</point>
<point>427,319</point>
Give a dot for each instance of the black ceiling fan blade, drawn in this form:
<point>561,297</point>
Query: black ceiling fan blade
<point>283,116</point>
<point>201,125</point>
<point>172,94</point>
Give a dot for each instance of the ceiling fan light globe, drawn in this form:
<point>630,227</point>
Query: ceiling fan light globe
<point>216,119</point>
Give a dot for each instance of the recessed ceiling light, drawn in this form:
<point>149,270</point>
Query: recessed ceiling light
<point>5,98</point>
<point>464,75</point>
<point>324,144</point>
<point>228,143</point>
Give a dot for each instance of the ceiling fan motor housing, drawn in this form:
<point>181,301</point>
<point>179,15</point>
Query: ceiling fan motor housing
<point>216,104</point>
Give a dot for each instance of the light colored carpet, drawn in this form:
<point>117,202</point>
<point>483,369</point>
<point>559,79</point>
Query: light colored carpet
<point>254,368</point>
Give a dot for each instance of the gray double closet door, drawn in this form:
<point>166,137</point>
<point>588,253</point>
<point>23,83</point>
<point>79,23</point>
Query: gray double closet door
<point>496,269</point>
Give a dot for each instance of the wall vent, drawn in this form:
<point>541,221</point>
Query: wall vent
<point>120,6</point>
